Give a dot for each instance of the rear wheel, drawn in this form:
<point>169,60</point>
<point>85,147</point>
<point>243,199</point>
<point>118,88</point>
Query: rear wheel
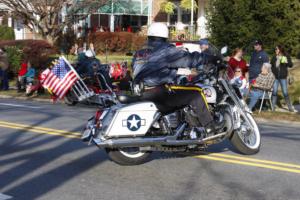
<point>70,99</point>
<point>247,140</point>
<point>128,155</point>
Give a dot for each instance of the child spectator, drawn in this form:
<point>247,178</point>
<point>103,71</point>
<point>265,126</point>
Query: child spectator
<point>29,77</point>
<point>30,73</point>
<point>239,80</point>
<point>21,77</point>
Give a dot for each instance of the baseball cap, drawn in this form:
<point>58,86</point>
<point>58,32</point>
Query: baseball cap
<point>258,42</point>
<point>203,42</point>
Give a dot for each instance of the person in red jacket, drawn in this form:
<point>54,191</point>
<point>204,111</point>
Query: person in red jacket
<point>129,29</point>
<point>21,76</point>
<point>237,61</point>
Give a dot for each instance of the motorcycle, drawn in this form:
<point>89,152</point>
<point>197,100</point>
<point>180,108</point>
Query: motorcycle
<point>131,130</point>
<point>100,85</point>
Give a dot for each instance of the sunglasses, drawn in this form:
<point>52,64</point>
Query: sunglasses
<point>237,71</point>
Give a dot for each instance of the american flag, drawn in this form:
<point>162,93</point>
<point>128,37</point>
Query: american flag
<point>59,79</point>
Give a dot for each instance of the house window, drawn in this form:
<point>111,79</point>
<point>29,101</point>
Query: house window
<point>186,16</point>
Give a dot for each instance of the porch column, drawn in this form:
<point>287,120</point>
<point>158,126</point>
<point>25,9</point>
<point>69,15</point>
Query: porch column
<point>112,23</point>
<point>179,14</point>
<point>201,20</point>
<point>9,20</point>
<point>168,19</point>
<point>150,12</point>
<point>89,22</point>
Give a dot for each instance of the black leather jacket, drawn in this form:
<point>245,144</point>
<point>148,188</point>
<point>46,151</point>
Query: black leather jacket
<point>281,72</point>
<point>157,63</point>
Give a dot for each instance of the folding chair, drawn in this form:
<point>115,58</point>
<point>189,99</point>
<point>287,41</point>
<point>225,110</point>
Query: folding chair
<point>267,95</point>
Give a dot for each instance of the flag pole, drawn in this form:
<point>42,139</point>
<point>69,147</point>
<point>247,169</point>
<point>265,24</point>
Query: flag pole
<point>71,67</point>
<point>91,93</point>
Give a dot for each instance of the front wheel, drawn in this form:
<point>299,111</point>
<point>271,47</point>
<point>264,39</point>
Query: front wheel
<point>247,139</point>
<point>128,155</point>
<point>70,99</point>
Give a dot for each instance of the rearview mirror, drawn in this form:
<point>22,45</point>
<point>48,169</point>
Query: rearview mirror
<point>224,50</point>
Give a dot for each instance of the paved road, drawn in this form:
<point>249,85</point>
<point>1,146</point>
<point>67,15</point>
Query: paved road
<point>41,157</point>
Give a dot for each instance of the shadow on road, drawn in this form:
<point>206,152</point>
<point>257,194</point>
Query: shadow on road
<point>286,133</point>
<point>26,161</point>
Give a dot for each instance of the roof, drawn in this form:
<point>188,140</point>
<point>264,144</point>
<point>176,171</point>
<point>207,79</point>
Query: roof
<point>123,7</point>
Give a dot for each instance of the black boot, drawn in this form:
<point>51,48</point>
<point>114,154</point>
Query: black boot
<point>214,127</point>
<point>288,103</point>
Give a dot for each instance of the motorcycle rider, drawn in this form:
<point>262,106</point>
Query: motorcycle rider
<point>89,66</point>
<point>204,46</point>
<point>155,67</point>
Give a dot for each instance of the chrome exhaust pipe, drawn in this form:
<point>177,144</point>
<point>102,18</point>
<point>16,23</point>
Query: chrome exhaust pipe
<point>126,142</point>
<point>138,142</point>
<point>144,142</point>
<point>195,142</point>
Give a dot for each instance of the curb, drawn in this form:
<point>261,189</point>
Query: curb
<point>269,121</point>
<point>257,119</point>
<point>26,98</point>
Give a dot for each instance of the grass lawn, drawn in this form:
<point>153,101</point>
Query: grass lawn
<point>110,58</point>
<point>286,116</point>
<point>14,93</point>
<point>294,89</point>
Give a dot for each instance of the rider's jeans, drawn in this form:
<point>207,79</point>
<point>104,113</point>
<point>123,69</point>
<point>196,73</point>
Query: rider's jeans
<point>254,95</point>
<point>170,99</point>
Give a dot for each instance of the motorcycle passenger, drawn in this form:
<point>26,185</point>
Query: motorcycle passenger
<point>209,58</point>
<point>90,67</point>
<point>204,46</point>
<point>86,62</point>
<point>155,66</point>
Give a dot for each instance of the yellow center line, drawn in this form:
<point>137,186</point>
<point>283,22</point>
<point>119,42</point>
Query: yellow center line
<point>226,158</point>
<point>38,127</point>
<point>36,130</point>
<point>254,160</point>
<point>249,164</point>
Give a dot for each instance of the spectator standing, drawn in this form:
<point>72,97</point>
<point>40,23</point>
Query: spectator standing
<point>237,61</point>
<point>280,63</point>
<point>129,29</point>
<point>21,76</point>
<point>264,81</point>
<point>258,58</point>
<point>4,68</point>
<point>101,29</point>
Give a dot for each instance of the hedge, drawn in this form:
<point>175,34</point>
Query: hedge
<point>116,42</point>
<point>35,51</point>
<point>6,33</point>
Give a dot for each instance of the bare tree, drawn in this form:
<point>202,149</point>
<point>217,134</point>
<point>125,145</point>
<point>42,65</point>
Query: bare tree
<point>50,17</point>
